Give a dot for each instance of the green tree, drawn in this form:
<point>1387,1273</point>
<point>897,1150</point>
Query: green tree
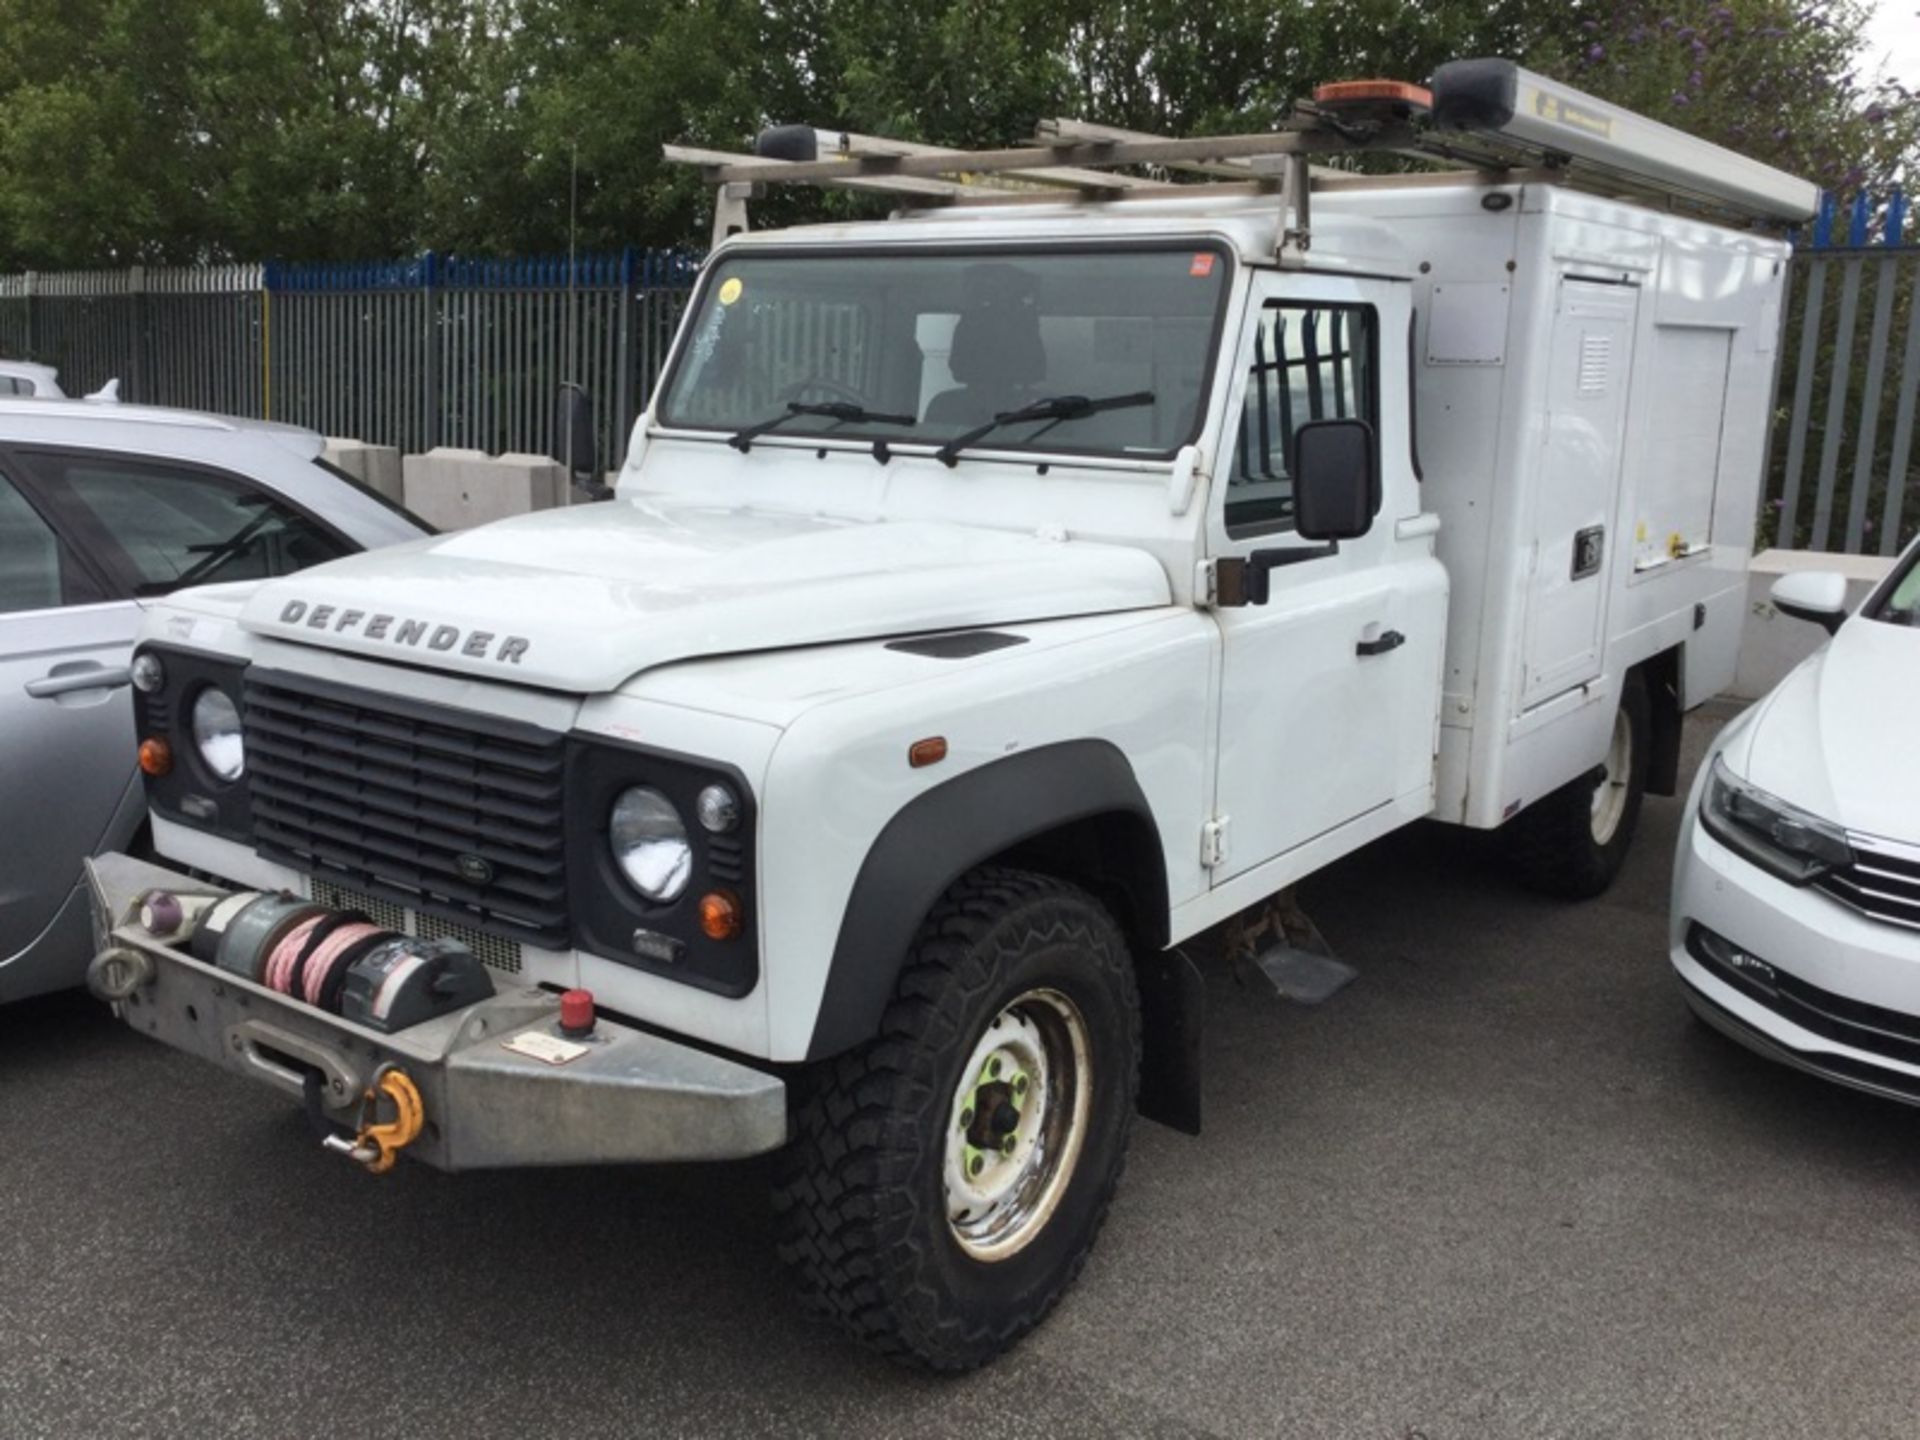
<point>184,130</point>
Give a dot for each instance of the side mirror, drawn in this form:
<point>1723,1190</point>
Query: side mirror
<point>1816,595</point>
<point>1336,487</point>
<point>575,444</point>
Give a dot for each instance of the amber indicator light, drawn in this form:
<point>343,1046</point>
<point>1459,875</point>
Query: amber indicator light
<point>1354,92</point>
<point>720,917</point>
<point>156,757</point>
<point>930,751</point>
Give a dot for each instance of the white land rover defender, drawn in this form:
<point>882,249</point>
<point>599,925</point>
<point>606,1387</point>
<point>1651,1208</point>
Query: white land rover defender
<point>994,597</point>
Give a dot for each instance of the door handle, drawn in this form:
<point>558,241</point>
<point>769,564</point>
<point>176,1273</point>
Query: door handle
<point>1389,640</point>
<point>88,677</point>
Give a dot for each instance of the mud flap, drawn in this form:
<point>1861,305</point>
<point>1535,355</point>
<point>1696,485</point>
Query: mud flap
<point>1173,1013</point>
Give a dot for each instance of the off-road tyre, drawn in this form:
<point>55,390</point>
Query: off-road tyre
<point>1553,845</point>
<point>862,1197</point>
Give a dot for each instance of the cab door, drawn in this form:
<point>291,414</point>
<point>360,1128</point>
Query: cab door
<point>1315,682</point>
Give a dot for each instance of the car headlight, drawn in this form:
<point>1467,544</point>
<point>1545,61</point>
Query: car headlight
<point>1782,839</point>
<point>649,843</point>
<point>216,734</point>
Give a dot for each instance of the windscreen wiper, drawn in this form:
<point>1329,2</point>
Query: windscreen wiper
<point>1054,407</point>
<point>214,555</point>
<point>843,411</point>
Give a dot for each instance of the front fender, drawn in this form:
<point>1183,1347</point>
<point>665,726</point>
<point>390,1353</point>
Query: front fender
<point>944,832</point>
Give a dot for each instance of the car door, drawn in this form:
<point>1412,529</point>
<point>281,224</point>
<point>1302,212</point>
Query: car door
<point>65,713</point>
<point>1309,723</point>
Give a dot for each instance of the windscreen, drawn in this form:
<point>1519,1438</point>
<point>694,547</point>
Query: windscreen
<point>927,347</point>
<point>1902,603</point>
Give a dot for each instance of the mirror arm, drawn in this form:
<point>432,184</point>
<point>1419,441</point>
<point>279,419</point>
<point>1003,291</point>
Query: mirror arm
<point>1247,582</point>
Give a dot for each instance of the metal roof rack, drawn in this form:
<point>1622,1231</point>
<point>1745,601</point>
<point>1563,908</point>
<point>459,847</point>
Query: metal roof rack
<point>1488,116</point>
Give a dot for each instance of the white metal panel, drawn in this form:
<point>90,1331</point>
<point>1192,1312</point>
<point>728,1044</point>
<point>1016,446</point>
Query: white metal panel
<point>1575,486</point>
<point>839,772</point>
<point>1467,324</point>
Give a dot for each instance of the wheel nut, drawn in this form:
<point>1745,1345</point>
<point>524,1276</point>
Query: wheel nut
<point>1007,1148</point>
<point>1019,1084</point>
<point>966,1117</point>
<point>993,1068</point>
<point>976,1165</point>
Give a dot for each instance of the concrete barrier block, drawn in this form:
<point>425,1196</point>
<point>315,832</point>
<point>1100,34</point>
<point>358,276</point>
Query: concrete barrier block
<point>1771,644</point>
<point>545,476</point>
<point>375,466</point>
<point>454,489</point>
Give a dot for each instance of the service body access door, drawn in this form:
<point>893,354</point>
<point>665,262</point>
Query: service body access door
<point>1577,485</point>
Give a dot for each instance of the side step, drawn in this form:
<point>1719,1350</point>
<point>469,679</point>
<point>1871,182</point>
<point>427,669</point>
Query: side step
<point>1281,945</point>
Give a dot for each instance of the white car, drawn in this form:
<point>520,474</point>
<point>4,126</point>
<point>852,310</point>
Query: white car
<point>1796,894</point>
<point>103,511</point>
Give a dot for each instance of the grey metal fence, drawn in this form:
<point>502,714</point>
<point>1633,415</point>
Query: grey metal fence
<point>414,353</point>
<point>1842,471</point>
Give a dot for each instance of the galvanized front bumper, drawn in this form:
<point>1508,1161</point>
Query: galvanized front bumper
<point>631,1097</point>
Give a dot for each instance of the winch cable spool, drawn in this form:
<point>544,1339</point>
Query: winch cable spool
<point>280,960</point>
<point>335,957</point>
<point>325,951</point>
<point>290,965</point>
<point>256,932</point>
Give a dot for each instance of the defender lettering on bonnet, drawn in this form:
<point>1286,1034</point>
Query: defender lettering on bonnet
<point>409,632</point>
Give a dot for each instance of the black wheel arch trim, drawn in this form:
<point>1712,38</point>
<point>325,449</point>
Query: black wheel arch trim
<point>946,831</point>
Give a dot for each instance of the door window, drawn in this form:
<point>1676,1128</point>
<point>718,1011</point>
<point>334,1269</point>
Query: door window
<point>1310,362</point>
<point>164,526</point>
<point>37,570</point>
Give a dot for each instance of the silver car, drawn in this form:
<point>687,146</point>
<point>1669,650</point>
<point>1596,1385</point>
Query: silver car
<point>103,508</point>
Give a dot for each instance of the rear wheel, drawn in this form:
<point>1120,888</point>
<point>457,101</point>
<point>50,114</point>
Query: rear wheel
<point>948,1178</point>
<point>1573,842</point>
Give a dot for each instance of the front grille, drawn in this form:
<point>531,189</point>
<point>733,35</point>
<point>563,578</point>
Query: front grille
<point>441,811</point>
<point>1852,1023</point>
<point>1879,883</point>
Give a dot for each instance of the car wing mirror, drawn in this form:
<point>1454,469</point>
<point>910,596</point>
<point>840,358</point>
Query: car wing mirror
<point>1336,485</point>
<point>1816,595</point>
<point>575,440</point>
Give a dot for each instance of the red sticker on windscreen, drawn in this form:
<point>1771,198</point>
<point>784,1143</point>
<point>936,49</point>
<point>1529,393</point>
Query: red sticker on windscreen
<point>1202,265</point>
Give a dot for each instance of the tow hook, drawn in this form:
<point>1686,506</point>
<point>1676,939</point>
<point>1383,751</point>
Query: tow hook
<point>116,972</point>
<point>379,1142</point>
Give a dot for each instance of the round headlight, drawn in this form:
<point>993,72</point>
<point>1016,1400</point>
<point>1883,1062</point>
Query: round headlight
<point>649,843</point>
<point>216,734</point>
<point>719,811</point>
<point>148,673</point>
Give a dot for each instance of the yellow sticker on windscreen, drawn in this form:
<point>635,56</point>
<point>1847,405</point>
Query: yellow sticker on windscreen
<point>730,290</point>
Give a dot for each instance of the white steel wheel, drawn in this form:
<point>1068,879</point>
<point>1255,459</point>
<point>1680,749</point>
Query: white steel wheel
<point>1016,1124</point>
<point>1616,781</point>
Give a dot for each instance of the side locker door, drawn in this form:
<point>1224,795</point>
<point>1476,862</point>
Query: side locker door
<point>66,715</point>
<point>1309,724</point>
<point>1577,484</point>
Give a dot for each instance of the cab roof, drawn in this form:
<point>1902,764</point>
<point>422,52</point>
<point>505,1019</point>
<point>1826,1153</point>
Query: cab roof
<point>1246,224</point>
